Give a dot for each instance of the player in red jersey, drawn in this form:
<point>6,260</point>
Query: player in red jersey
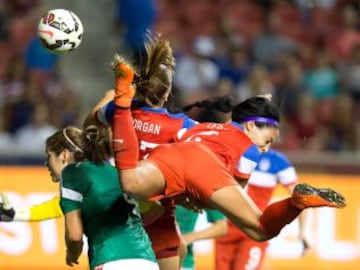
<point>154,125</point>
<point>237,251</point>
<point>199,166</point>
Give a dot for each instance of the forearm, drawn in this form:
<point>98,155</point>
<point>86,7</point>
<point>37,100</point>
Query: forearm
<point>302,224</point>
<point>46,210</point>
<point>219,228</point>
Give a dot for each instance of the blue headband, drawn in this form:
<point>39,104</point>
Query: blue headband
<point>264,120</point>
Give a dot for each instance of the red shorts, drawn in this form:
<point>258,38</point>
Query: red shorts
<point>240,254</point>
<point>192,168</point>
<point>164,233</point>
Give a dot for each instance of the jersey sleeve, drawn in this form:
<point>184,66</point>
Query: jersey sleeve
<point>105,114</point>
<point>214,215</point>
<point>73,187</point>
<point>46,210</point>
<point>248,162</point>
<point>286,172</point>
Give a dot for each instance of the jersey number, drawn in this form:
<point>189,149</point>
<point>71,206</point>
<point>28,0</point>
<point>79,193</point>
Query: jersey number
<point>196,137</point>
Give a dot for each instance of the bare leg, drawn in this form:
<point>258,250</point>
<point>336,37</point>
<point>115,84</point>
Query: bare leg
<point>240,209</point>
<point>142,182</point>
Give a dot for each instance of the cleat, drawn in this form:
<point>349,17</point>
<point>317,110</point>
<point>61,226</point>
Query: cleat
<point>305,196</point>
<point>124,75</point>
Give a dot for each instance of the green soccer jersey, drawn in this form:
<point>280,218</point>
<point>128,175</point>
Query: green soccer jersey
<point>111,219</point>
<point>187,219</point>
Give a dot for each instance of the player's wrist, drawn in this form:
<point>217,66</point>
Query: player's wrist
<point>22,214</point>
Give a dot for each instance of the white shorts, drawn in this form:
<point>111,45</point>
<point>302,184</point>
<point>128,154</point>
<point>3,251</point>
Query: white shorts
<point>129,264</point>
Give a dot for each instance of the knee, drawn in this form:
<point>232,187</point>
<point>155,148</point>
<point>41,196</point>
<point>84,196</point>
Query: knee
<point>259,236</point>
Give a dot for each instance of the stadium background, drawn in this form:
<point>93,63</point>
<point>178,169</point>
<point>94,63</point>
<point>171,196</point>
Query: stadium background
<point>310,61</point>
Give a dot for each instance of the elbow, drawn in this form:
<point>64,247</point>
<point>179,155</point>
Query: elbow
<point>259,236</point>
<point>256,234</point>
<point>223,228</point>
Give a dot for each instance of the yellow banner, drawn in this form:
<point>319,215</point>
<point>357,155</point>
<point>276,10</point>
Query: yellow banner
<point>334,235</point>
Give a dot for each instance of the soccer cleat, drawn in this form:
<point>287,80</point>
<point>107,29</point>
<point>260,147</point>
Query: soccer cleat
<point>124,75</point>
<point>305,196</point>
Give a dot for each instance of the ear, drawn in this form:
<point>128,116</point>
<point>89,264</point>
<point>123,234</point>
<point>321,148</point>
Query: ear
<point>65,156</point>
<point>249,125</point>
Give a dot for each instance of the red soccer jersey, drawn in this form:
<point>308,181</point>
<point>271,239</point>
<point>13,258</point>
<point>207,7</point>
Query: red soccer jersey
<point>153,126</point>
<point>229,143</point>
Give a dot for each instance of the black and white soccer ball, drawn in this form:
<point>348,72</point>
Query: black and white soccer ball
<point>60,31</point>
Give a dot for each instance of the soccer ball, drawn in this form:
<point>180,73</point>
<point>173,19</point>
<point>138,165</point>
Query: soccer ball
<point>60,31</point>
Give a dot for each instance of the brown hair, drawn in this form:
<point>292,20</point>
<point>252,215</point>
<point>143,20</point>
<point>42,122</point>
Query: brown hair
<point>155,78</point>
<point>92,144</point>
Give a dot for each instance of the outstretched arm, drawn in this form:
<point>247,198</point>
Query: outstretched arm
<point>47,210</point>
<point>91,118</point>
<point>218,228</point>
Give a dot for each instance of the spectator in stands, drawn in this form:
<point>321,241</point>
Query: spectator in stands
<point>18,110</point>
<point>290,85</point>
<point>4,19</point>
<point>349,72</point>
<point>322,81</point>
<point>271,44</point>
<point>237,64</point>
<point>6,140</point>
<point>31,137</point>
<point>133,18</point>
<point>343,134</point>
<point>349,37</point>
<point>40,63</point>
<point>306,124</point>
<point>64,105</point>
<point>196,72</point>
<point>257,83</point>
<point>15,79</point>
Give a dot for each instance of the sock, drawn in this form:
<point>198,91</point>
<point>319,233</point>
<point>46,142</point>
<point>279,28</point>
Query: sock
<point>124,91</point>
<point>125,143</point>
<point>277,215</point>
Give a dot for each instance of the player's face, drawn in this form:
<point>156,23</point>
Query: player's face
<point>263,137</point>
<point>55,164</point>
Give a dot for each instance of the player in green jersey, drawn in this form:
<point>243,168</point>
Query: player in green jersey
<point>187,220</point>
<point>94,205</point>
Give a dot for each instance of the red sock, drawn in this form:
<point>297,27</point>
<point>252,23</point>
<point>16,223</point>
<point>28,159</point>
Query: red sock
<point>277,215</point>
<point>125,143</point>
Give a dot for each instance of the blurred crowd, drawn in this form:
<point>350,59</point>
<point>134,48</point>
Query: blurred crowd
<point>34,101</point>
<point>305,52</point>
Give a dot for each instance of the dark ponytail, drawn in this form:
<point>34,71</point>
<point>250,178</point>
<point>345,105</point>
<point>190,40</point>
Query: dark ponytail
<point>97,147</point>
<point>222,104</point>
<point>154,80</point>
<point>241,112</point>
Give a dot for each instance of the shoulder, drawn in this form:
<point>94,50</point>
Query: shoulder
<point>75,167</point>
<point>278,158</point>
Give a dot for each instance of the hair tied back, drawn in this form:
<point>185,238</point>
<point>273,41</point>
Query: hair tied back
<point>92,133</point>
